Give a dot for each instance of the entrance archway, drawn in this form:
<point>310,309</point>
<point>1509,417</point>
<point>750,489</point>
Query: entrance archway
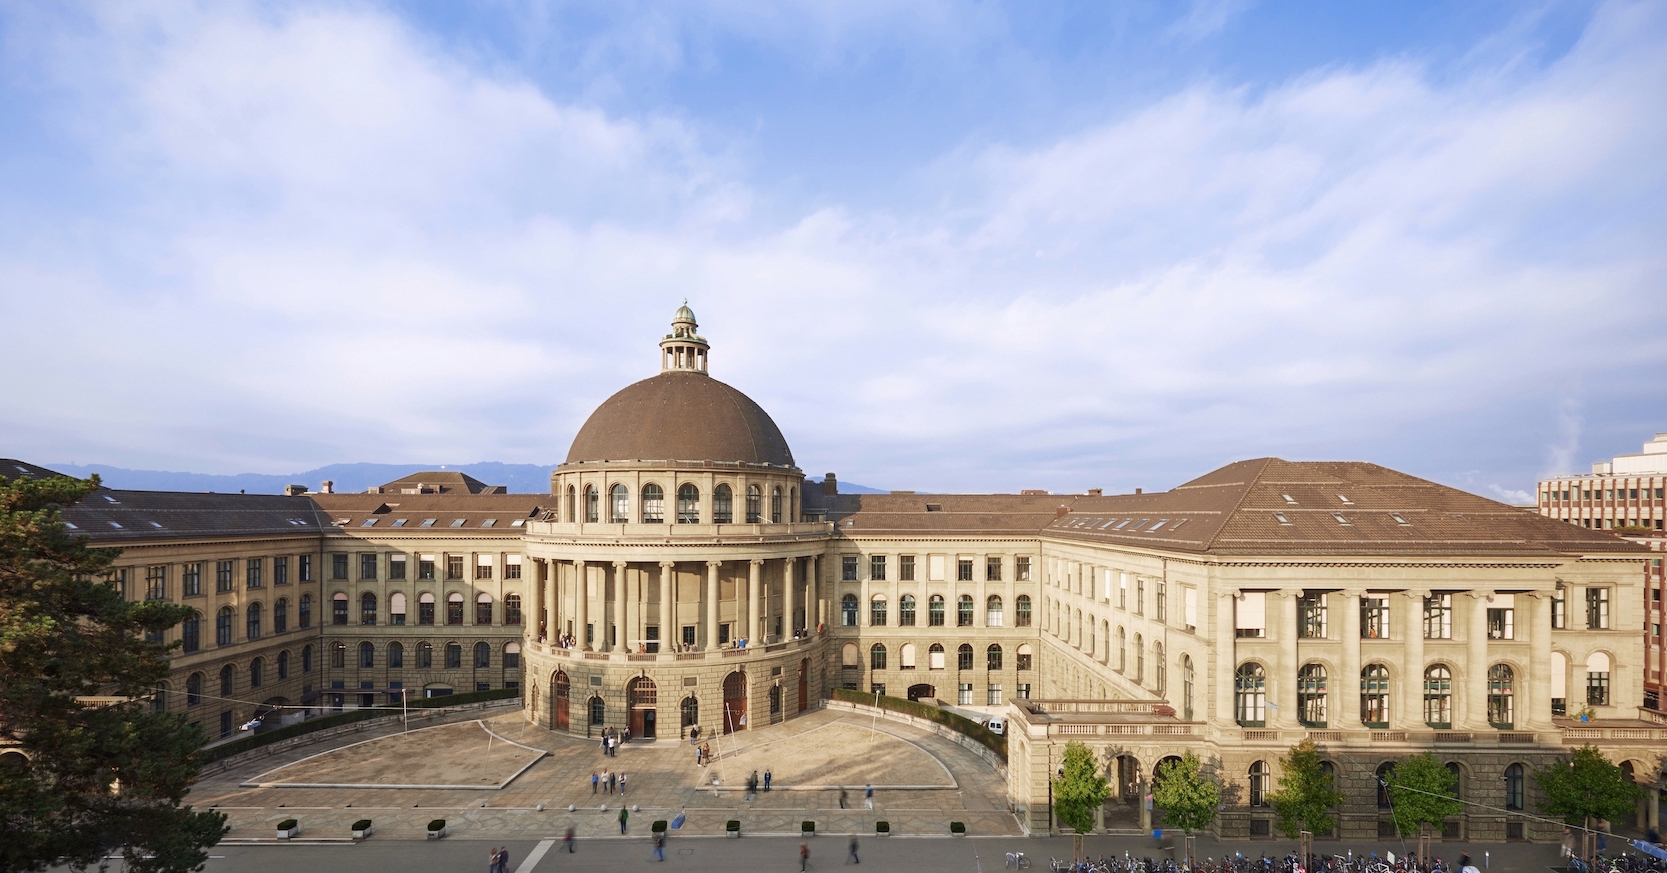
<point>558,701</point>
<point>923,690</point>
<point>804,685</point>
<point>1127,787</point>
<point>640,696</point>
<point>735,701</point>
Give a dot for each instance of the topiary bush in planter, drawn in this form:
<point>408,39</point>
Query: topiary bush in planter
<point>807,827</point>
<point>882,828</point>
<point>437,829</point>
<point>733,827</point>
<point>658,826</point>
<point>361,829</point>
<point>959,829</point>
<point>289,828</point>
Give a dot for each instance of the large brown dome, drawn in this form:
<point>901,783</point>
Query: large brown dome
<point>680,416</point>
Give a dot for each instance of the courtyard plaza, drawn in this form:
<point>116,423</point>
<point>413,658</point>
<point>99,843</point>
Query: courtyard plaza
<point>488,776</point>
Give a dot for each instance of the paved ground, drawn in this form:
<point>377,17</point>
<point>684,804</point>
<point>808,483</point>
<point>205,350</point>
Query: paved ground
<point>921,783</point>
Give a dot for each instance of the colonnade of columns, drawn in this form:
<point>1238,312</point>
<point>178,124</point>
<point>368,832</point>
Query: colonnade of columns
<point>567,592</point>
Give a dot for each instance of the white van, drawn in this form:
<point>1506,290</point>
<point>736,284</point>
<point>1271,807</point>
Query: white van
<point>997,726</point>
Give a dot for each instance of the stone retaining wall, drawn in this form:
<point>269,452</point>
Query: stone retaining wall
<point>426,717</point>
<point>944,731</point>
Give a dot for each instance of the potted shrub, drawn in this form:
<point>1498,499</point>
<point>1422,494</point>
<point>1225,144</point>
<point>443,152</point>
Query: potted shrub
<point>732,828</point>
<point>361,829</point>
<point>658,827</point>
<point>288,829</point>
<point>437,829</point>
<point>882,829</point>
<point>957,829</point>
<point>808,828</point>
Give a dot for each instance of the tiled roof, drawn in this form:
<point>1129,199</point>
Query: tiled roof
<point>428,514</point>
<point>440,482</point>
<point>108,516</point>
<point>11,468</point>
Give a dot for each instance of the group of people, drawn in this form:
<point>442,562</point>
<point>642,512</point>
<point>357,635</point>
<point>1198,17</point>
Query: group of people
<point>498,861</point>
<point>607,782</point>
<point>611,738</point>
<point>703,754</point>
<point>753,781</point>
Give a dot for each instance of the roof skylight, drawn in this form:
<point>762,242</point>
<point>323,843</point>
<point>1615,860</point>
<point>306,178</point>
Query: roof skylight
<point>489,522</point>
<point>369,522</point>
<point>518,522</point>
<point>398,522</point>
<point>111,499</point>
<point>156,524</point>
<point>1161,523</point>
<point>457,522</point>
<point>67,524</point>
<point>115,525</point>
<point>1345,499</point>
<point>1124,524</point>
<point>1340,518</point>
<point>1289,499</point>
<point>428,522</point>
<point>1398,518</point>
<point>1280,517</point>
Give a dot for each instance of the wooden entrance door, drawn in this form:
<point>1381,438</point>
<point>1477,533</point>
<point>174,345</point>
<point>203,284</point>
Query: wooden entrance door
<point>804,685</point>
<point>558,702</point>
<point>735,701</point>
<point>640,696</point>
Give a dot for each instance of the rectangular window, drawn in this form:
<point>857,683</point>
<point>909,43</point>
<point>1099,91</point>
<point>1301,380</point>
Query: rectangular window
<point>304,568</point>
<point>1024,691</point>
<point>992,569</point>
<point>367,566</point>
<point>1597,689</point>
<point>1021,569</point>
<point>877,567</point>
<point>934,611</point>
<point>1438,617</point>
<point>1559,610</point>
<point>156,582</point>
<point>483,566</point>
<point>878,689</point>
<point>688,635</point>
<point>1139,596</point>
<point>1163,600</point>
<point>1311,616</point>
<point>425,567</point>
<point>1122,591</point>
<point>1501,622</point>
<point>1250,615</point>
<point>338,566</point>
<point>1190,597</point>
<point>512,567</point>
<point>877,612</point>
<point>1374,617</point>
<point>848,568</point>
<point>1597,608</point>
<point>906,568</point>
<point>1021,611</point>
<point>396,566</point>
<point>454,609</point>
<point>191,580</point>
<point>963,570</point>
<point>992,696</point>
<point>906,611</point>
<point>280,571</point>
<point>251,573</point>
<point>963,696</point>
<point>454,566</point>
<point>223,575</point>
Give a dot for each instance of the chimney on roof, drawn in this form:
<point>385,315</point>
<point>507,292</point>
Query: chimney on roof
<point>295,490</point>
<point>1137,491</point>
<point>830,484</point>
<point>327,488</point>
<point>1062,511</point>
<point>1094,492</point>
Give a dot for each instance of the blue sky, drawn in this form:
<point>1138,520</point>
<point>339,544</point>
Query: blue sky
<point>949,246</point>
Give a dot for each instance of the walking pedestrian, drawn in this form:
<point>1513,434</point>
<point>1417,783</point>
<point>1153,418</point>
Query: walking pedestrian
<point>660,846</point>
<point>593,780</point>
<point>868,797</point>
<point>492,861</point>
<point>624,814</point>
<point>766,778</point>
<point>804,857</point>
<point>604,744</point>
<point>622,785</point>
<point>841,798</point>
<point>503,859</point>
<point>700,757</point>
<point>854,859</point>
<point>567,839</point>
<point>613,782</point>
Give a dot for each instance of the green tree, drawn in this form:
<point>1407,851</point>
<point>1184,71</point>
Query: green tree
<point>1586,786</point>
<point>1306,793</point>
<point>1188,798</point>
<point>1080,789</point>
<point>1421,792</point>
<point>101,776</point>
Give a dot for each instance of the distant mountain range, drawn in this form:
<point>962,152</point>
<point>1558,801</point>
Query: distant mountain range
<point>518,478</point>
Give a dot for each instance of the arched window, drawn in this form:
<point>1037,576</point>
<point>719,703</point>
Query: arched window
<point>367,608</point>
<point>1021,615</point>
<point>1259,783</point>
<point>512,657</point>
<point>396,656</point>
<point>223,626</point>
<point>251,621</point>
<point>619,504</point>
<point>963,657</point>
<point>1186,687</point>
<point>367,656</point>
<point>454,656</point>
<point>191,631</point>
<point>1501,695</point>
<point>723,505</point>
<point>483,656</point>
<point>792,505</point>
<point>1458,779</point>
<point>1139,661</point>
<point>512,609</point>
<point>877,657</point>
<point>1122,650</point>
<point>598,711</point>
<point>934,657</point>
<point>228,681</point>
<point>454,608</point>
<point>754,504</point>
<point>283,666</point>
<point>194,689</point>
<point>848,657</point>
<point>338,656</point>
<point>688,504</point>
<point>307,658</point>
<point>425,656</point>
<point>257,672</point>
<point>593,508</point>
<point>483,608</point>
<point>848,610</point>
<point>304,616</point>
<point>1092,648</point>
<point>690,709</point>
<point>934,610</point>
<point>1514,787</point>
<point>992,611</point>
<point>572,504</point>
<point>1383,785</point>
<point>1311,695</point>
<point>906,610</point>
<point>280,615</point>
<point>963,611</point>
<point>775,505</point>
<point>1021,660</point>
<point>1438,697</point>
<point>1161,668</point>
<point>1250,695</point>
<point>396,608</point>
<point>338,608</point>
<point>1374,696</point>
<point>906,657</point>
<point>877,611</point>
<point>992,658</point>
<point>653,504</point>
<point>1597,679</point>
<point>425,608</point>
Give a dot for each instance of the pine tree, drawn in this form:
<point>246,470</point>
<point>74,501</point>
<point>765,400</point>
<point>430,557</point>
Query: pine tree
<point>1421,792</point>
<point>1306,793</point>
<point>1079,790</point>
<point>99,777</point>
<point>1188,799</point>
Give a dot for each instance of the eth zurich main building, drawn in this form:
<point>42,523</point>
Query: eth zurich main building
<point>681,572</point>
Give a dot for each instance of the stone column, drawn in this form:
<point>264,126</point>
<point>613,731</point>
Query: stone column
<point>755,623</point>
<point>862,599</point>
<point>712,603</point>
<point>581,604</point>
<point>1536,714</point>
<point>1412,671</point>
<point>622,607</point>
<point>1345,690</point>
<point>1283,678</point>
<point>1475,683</point>
<point>1652,805</point>
<point>817,593</point>
<point>1226,666</point>
<point>668,607</point>
<point>790,598</point>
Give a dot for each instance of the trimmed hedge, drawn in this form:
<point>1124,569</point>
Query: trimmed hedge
<point>993,741</point>
<point>255,741</point>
